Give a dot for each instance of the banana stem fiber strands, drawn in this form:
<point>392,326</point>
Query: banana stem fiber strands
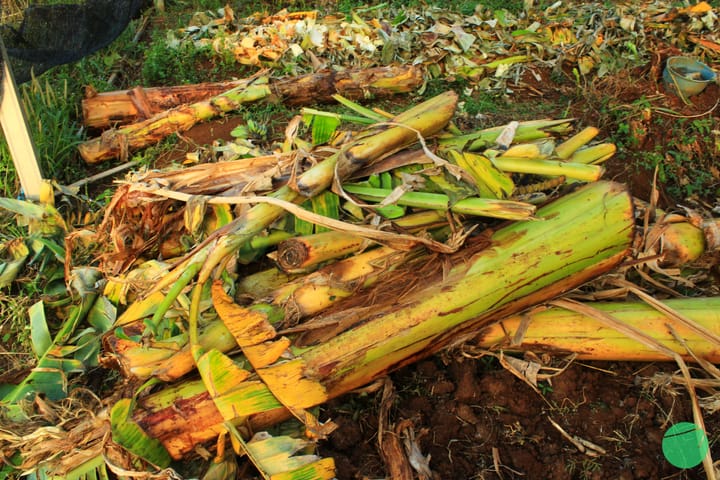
<point>575,239</point>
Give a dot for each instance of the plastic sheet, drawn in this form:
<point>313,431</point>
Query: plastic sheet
<point>48,35</point>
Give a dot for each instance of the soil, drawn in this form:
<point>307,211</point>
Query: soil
<point>473,419</point>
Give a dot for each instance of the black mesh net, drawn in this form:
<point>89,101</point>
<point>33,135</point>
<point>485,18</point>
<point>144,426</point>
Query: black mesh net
<point>47,35</point>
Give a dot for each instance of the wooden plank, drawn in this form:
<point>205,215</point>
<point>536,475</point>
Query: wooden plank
<point>17,134</point>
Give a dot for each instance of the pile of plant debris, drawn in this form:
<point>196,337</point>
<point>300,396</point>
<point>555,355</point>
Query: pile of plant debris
<point>237,296</point>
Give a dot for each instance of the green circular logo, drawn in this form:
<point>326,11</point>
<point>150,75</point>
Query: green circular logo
<point>685,445</point>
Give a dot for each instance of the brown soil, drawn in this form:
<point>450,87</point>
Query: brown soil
<point>461,410</point>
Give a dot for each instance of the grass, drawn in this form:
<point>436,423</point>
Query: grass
<point>51,114</point>
<point>167,65</point>
<point>14,331</point>
<point>48,109</point>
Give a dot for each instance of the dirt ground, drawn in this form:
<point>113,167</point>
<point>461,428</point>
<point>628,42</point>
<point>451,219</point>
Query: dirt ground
<point>463,410</point>
<point>475,420</point>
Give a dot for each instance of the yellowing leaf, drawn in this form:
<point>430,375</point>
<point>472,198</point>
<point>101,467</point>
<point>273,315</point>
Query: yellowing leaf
<point>490,181</point>
<point>275,457</point>
<point>194,214</point>
<point>586,64</point>
<point>219,373</point>
<point>266,353</point>
<point>249,327</point>
<point>290,384</point>
<point>698,8</point>
<point>128,434</point>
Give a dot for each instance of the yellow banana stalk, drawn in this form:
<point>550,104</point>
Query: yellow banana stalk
<point>526,132</point>
<point>300,253</point>
<point>558,330</point>
<point>569,146</point>
<point>487,207</point>
<point>577,171</point>
<point>259,284</point>
<point>525,150</point>
<point>678,243</point>
<point>594,154</point>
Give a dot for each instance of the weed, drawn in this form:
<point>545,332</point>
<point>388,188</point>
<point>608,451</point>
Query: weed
<point>583,470</point>
<point>159,152</point>
<point>465,7</point>
<point>702,127</point>
<point>516,434</point>
<point>483,103</point>
<point>619,439</point>
<point>653,138</point>
<point>488,363</point>
<point>356,407</point>
<point>269,119</point>
<point>545,388</point>
<point>209,4</point>
<point>565,408</point>
<point>166,65</point>
<point>498,409</point>
<point>414,386</point>
<point>14,329</point>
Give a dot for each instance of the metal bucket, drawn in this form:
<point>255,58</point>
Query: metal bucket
<point>687,77</point>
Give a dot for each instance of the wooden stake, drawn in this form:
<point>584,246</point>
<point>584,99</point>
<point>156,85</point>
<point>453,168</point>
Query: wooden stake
<point>17,134</point>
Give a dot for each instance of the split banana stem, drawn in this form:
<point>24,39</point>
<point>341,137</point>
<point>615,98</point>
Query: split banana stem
<point>486,207</point>
<point>553,168</point>
<point>526,131</point>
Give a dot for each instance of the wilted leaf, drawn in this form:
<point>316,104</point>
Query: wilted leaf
<point>39,331</point>
<point>126,432</point>
<point>275,457</point>
<point>14,254</point>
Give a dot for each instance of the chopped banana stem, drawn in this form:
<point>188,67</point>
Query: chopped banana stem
<point>569,146</point>
<point>578,171</point>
